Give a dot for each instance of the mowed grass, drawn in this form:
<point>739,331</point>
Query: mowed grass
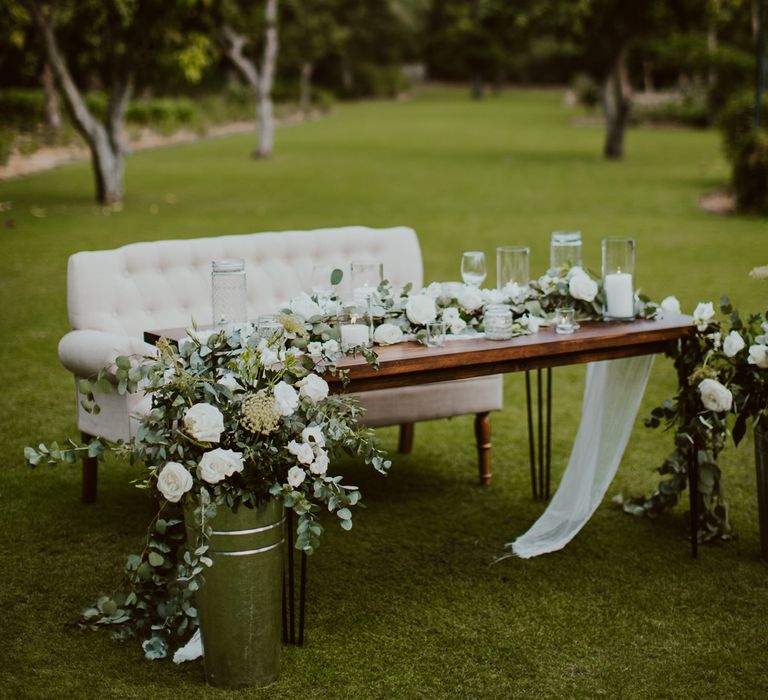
<point>407,605</point>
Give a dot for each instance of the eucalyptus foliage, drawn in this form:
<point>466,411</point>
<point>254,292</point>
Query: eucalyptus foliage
<point>225,373</point>
<point>731,352</point>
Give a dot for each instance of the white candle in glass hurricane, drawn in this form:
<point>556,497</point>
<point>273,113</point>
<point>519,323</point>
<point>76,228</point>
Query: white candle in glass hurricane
<point>619,295</point>
<point>354,334</point>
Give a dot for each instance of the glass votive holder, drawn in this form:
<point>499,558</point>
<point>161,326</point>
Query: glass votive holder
<point>228,292</point>
<point>268,326</point>
<point>355,333</point>
<point>436,334</point>
<point>565,249</point>
<point>498,322</point>
<point>365,278</point>
<point>512,265</point>
<point>565,320</point>
<point>618,278</point>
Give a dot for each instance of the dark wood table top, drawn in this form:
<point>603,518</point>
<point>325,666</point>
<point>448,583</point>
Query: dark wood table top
<point>405,364</point>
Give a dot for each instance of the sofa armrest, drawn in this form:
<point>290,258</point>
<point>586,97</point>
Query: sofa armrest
<point>86,352</point>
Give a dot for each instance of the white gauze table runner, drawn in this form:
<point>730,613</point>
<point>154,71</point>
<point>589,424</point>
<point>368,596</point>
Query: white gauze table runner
<point>612,396</point>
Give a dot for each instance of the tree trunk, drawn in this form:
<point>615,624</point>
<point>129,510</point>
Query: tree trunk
<point>266,122</point>
<point>305,87</point>
<point>52,107</point>
<point>104,140</point>
<point>616,106</point>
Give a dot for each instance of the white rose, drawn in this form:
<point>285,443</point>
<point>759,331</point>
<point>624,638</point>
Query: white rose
<point>517,293</point>
<point>453,320</point>
<point>703,314</point>
<point>470,299</point>
<point>204,422</point>
<point>173,481</point>
<point>670,305</point>
<point>715,396</point>
<point>493,296</point>
<point>331,347</point>
<point>296,476</point>
<point>302,451</point>
<point>532,323</point>
<point>388,334</point>
<point>313,435</point>
<point>219,464</point>
<point>315,349</point>
<point>758,355</point>
<point>420,309</point>
<point>230,382</point>
<point>286,399</point>
<point>582,287</point>
<point>313,388</point>
<point>320,465</point>
<point>547,283</point>
<point>434,290</point>
<point>267,355</point>
<point>574,272</point>
<point>733,344</point>
<point>304,306</point>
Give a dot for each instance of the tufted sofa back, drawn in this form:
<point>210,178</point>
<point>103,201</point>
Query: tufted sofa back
<point>167,284</point>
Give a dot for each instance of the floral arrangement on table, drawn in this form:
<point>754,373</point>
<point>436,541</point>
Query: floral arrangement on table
<point>722,372</point>
<point>235,420</point>
<point>405,315</point>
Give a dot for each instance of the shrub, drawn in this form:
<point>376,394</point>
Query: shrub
<point>586,90</point>
<point>689,109</point>
<point>22,109</point>
<point>736,121</point>
<point>372,80</point>
<point>750,172</point>
<point>7,139</point>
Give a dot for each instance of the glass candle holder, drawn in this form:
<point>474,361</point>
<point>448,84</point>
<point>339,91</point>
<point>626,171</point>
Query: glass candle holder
<point>473,270</point>
<point>355,333</point>
<point>512,265</point>
<point>565,249</point>
<point>498,322</point>
<point>228,292</point>
<point>436,334</point>
<point>268,326</point>
<point>565,320</point>
<point>365,277</point>
<point>618,278</point>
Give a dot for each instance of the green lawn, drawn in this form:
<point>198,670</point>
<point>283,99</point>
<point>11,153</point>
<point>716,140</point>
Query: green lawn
<point>406,605</point>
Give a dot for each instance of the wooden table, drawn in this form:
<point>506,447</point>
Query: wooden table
<point>406,364</point>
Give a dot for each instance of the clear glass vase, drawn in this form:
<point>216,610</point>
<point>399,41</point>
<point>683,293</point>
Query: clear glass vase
<point>512,265</point>
<point>228,292</point>
<point>565,250</point>
<point>619,278</point>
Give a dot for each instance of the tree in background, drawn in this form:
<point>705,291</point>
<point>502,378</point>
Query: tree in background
<point>241,23</point>
<point>114,45</point>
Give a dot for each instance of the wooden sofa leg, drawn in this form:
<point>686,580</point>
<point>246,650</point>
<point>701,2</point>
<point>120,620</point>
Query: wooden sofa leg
<point>90,474</point>
<point>483,437</point>
<point>405,444</point>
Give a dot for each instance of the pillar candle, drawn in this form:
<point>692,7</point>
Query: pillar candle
<point>354,335</point>
<point>619,295</point>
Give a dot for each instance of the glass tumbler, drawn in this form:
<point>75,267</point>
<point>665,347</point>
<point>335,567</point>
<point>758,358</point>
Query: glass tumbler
<point>618,278</point>
<point>228,292</point>
<point>565,249</point>
<point>512,265</point>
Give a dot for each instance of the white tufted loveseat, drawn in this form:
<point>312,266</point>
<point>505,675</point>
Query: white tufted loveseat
<point>113,296</point>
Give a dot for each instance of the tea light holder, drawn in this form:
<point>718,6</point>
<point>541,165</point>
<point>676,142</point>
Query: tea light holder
<point>436,334</point>
<point>618,278</point>
<point>565,320</point>
<point>498,322</point>
<point>355,333</point>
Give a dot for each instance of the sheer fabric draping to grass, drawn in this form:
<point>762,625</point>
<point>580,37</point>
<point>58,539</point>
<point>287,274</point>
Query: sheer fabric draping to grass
<point>612,396</point>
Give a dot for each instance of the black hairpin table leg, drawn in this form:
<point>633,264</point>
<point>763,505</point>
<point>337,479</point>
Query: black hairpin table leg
<point>541,472</point>
<point>289,595</point>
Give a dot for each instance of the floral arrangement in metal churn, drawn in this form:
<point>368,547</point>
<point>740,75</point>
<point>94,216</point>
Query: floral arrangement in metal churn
<point>236,419</point>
